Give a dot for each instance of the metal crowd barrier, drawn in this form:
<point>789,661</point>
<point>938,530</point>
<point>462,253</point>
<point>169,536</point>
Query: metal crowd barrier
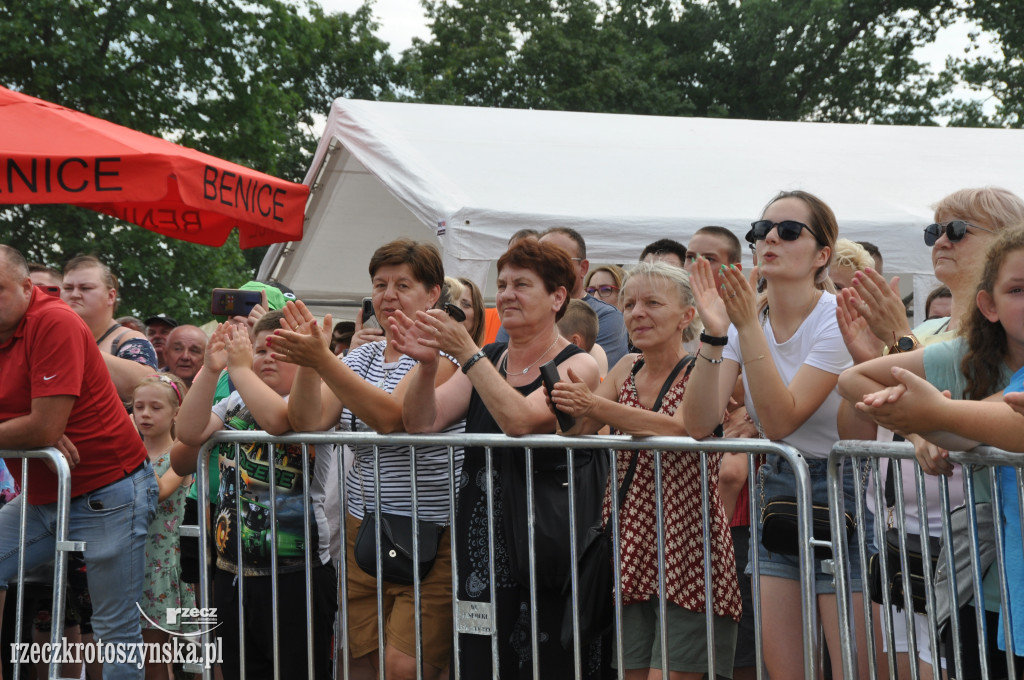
<point>467,616</point>
<point>62,547</point>
<point>979,461</point>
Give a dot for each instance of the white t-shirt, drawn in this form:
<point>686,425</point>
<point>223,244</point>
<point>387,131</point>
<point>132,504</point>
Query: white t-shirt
<point>818,343</point>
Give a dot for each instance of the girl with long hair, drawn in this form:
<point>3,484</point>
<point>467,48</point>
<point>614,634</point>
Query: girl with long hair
<point>789,348</point>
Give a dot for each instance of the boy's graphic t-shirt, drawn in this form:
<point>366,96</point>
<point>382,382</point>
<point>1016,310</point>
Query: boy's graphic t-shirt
<point>243,502</point>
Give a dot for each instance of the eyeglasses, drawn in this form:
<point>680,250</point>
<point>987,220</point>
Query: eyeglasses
<point>954,231</point>
<point>789,230</point>
<point>602,291</point>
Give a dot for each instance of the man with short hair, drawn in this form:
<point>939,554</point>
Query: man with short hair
<point>611,330</point>
<point>665,250</point>
<point>185,351</point>
<point>157,329</point>
<point>717,245</point>
<point>55,389</point>
<point>42,275</point>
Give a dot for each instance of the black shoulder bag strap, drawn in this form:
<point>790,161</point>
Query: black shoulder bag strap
<point>686,362</point>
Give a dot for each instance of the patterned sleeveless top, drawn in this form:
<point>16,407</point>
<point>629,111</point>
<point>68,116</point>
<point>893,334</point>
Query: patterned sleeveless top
<point>684,540</point>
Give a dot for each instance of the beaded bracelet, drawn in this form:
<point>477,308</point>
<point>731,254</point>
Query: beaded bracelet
<point>709,360</point>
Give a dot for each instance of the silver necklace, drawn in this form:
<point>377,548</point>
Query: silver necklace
<point>387,371</point>
<point>504,361</point>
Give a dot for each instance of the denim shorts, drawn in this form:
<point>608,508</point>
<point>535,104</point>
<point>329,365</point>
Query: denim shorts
<point>777,479</point>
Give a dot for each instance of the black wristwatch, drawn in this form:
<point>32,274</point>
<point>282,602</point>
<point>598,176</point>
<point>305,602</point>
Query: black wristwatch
<point>714,340</point>
<point>905,344</point>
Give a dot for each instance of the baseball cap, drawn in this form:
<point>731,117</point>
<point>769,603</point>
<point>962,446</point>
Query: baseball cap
<point>161,318</point>
<point>277,293</point>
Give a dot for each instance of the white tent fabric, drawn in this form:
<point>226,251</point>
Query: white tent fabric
<point>467,178</point>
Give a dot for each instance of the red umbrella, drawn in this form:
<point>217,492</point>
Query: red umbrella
<point>51,154</point>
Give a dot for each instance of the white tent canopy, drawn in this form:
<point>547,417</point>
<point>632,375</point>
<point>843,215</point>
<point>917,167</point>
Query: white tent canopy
<point>467,178</point>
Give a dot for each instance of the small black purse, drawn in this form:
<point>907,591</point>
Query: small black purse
<point>915,560</point>
<point>396,546</point>
<point>779,532</point>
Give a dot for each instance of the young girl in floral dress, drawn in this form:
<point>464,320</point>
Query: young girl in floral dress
<point>156,401</point>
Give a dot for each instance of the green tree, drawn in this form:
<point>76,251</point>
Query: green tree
<point>239,79</point>
<point>828,60</point>
<point>1001,76</point>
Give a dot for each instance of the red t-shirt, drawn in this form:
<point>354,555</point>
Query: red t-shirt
<point>52,353</point>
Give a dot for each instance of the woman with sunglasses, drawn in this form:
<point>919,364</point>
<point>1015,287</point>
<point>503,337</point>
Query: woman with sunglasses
<point>967,222</point>
<point>790,351</point>
<point>605,283</point>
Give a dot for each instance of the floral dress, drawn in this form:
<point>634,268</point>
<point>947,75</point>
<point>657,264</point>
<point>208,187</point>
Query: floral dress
<point>163,587</point>
<point>684,540</point>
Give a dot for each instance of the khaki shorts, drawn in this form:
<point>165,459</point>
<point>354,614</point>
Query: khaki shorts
<point>399,606</point>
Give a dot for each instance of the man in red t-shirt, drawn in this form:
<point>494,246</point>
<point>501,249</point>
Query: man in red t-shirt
<point>55,388</point>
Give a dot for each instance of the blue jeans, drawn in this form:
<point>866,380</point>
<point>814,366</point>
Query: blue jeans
<point>777,479</point>
<point>113,521</point>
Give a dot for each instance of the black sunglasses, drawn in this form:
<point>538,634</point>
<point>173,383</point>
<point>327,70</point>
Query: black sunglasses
<point>954,231</point>
<point>789,230</point>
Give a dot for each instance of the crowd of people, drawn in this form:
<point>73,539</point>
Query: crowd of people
<point>810,346</point>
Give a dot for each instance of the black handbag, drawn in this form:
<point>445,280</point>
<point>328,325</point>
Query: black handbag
<point>595,580</point>
<point>395,542</point>
<point>915,561</point>
<point>396,546</point>
<point>779,532</point>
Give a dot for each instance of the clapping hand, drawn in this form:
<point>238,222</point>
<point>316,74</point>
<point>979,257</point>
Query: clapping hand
<point>301,340</point>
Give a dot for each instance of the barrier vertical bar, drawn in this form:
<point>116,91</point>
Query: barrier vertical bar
<point>343,648</point>
<point>307,554</point>
<point>753,474</point>
<point>660,522</point>
<point>240,575</point>
<point>1000,564</point>
<point>840,553</point>
<point>908,601</point>
<point>573,571</point>
<point>20,599</point>
<point>709,607</point>
<point>203,506</point>
<point>616,566</point>
<point>926,558</point>
<point>382,666</point>
<point>976,574</point>
<point>416,585</point>
<point>492,585</point>
<point>453,484</point>
<point>531,556</point>
<point>806,535</point>
<point>275,624</point>
<point>954,597</point>
<point>869,619</point>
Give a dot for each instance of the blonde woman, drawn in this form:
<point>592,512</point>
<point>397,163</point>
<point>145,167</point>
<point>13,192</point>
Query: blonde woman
<point>658,309</point>
<point>605,283</point>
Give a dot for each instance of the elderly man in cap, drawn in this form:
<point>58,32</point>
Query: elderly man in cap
<point>157,329</point>
<point>55,389</point>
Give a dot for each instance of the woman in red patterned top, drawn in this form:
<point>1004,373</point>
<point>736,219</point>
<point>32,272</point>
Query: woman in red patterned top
<point>659,314</point>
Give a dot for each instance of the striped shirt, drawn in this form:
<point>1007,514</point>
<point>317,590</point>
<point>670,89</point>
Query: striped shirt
<point>395,485</point>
